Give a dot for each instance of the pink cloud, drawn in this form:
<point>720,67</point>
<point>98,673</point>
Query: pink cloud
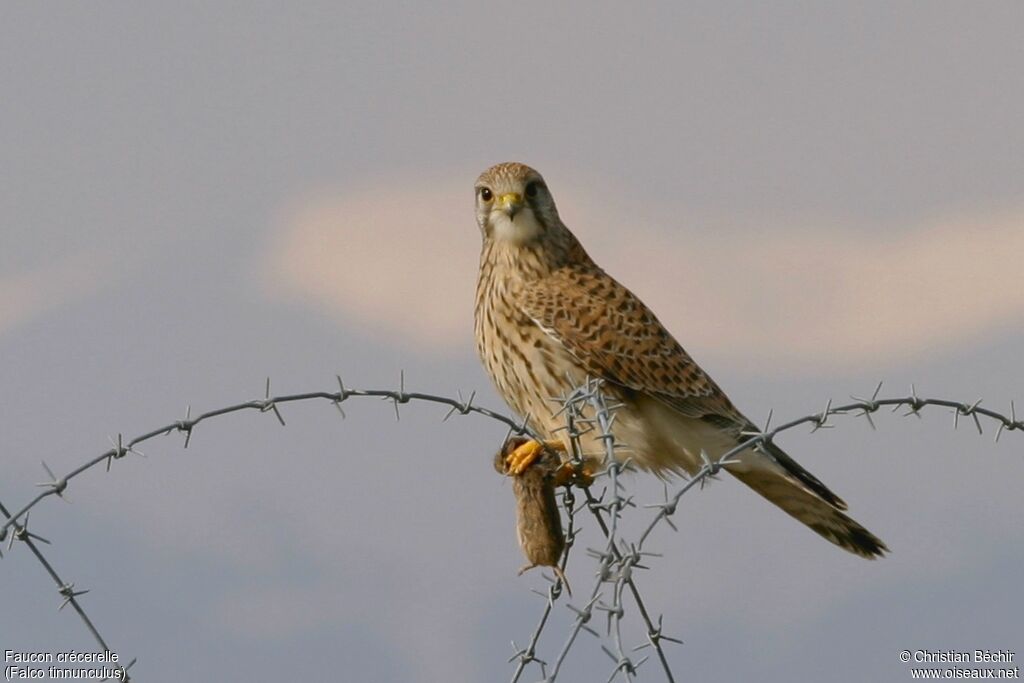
<point>403,265</point>
<point>400,264</point>
<point>32,292</point>
<point>795,296</point>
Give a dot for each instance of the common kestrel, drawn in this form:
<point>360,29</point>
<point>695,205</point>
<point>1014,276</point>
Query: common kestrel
<point>548,317</point>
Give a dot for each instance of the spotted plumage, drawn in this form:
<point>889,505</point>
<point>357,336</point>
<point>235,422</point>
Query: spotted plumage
<point>547,317</point>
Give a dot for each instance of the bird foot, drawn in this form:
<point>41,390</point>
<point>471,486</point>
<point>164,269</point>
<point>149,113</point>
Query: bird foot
<point>525,454</point>
<point>575,474</point>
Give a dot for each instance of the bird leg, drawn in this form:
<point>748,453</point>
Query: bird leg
<point>523,455</point>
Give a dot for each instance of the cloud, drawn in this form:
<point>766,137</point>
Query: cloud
<point>841,298</point>
<point>399,264</point>
<point>402,265</point>
<point>32,292</point>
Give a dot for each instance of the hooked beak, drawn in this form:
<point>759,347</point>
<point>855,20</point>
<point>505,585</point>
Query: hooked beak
<point>510,203</point>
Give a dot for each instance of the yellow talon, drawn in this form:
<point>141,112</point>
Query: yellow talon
<point>525,454</point>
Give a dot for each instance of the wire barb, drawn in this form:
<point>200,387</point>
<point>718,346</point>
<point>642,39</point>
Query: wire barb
<point>55,485</point>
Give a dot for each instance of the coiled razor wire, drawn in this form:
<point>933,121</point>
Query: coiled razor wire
<point>585,410</point>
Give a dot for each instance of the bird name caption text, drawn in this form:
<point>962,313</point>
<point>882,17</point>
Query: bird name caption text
<point>70,665</point>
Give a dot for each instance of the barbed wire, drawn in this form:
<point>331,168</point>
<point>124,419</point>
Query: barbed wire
<point>66,589</point>
<point>615,563</point>
<point>618,560</point>
<point>57,486</point>
<point>585,411</point>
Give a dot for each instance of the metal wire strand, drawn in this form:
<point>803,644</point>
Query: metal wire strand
<point>584,410</point>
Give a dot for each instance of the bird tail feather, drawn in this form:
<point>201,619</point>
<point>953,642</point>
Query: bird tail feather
<point>797,500</point>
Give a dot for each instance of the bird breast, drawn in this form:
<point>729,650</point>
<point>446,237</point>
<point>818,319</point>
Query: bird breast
<point>527,366</point>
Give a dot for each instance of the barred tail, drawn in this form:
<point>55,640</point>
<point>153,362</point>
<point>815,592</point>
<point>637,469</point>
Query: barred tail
<point>781,488</point>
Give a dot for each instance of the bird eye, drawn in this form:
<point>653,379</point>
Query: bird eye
<point>486,194</point>
<point>531,189</point>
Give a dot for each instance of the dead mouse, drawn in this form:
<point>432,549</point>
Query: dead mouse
<point>538,520</point>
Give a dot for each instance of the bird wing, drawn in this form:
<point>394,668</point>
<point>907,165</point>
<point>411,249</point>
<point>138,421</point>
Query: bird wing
<point>618,339</point>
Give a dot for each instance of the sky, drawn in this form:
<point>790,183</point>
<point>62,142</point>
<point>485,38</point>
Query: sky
<point>196,196</point>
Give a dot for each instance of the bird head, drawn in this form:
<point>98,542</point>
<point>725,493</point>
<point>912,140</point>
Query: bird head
<point>513,204</point>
